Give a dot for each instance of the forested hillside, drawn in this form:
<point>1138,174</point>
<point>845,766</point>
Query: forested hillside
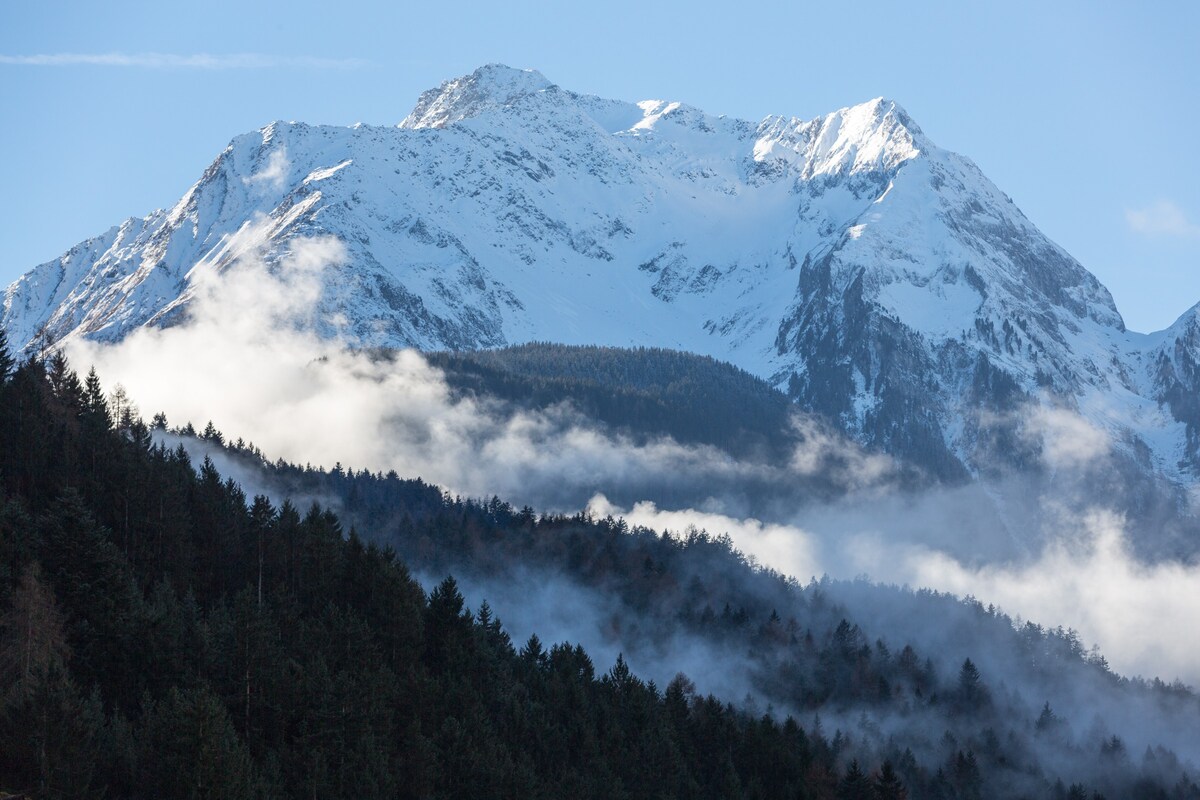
<point>648,394</point>
<point>162,634</point>
<point>644,391</point>
<point>1034,707</point>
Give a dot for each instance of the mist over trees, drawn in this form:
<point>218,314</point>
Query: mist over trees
<point>879,666</point>
<point>646,395</point>
<point>640,391</point>
<point>163,634</point>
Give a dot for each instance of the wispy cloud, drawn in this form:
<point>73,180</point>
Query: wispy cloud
<point>1162,218</point>
<point>180,61</point>
<point>275,171</point>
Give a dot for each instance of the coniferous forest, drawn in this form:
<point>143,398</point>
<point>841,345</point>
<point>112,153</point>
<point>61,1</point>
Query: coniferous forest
<point>164,635</point>
<point>693,399</point>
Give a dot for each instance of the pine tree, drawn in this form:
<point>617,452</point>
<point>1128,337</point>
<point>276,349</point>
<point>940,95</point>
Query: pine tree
<point>123,410</point>
<point>888,785</point>
<point>211,434</point>
<point>32,637</point>
<point>729,785</point>
<point>1047,721</point>
<point>447,627</point>
<point>191,749</point>
<point>967,777</point>
<point>93,396</point>
<point>262,522</point>
<point>855,785</point>
<point>65,383</point>
<point>7,362</point>
<point>99,598</point>
<point>533,654</point>
<point>972,694</point>
<point>50,740</point>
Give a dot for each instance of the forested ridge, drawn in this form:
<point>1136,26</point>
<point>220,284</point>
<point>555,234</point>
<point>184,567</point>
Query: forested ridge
<point>647,395</point>
<point>162,634</point>
<point>646,390</point>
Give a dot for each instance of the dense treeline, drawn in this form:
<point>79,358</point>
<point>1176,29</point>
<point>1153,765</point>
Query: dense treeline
<point>647,394</point>
<point>645,390</point>
<point>1053,709</point>
<point>164,635</point>
<point>951,731</point>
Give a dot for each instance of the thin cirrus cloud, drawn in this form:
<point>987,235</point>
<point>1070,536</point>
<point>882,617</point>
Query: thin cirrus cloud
<point>180,61</point>
<point>1163,218</point>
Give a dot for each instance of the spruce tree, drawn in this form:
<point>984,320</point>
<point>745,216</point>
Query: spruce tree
<point>65,383</point>
<point>191,749</point>
<point>95,404</point>
<point>855,785</point>
<point>888,785</point>
<point>7,362</point>
<point>33,639</point>
<point>972,694</point>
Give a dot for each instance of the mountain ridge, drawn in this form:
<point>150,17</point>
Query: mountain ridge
<point>880,280</point>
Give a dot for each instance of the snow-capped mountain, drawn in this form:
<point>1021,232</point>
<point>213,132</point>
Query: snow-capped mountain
<point>877,278</point>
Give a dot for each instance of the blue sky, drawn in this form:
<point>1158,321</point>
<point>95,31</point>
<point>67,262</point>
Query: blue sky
<point>1087,114</point>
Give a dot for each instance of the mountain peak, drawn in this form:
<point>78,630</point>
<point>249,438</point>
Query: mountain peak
<point>875,135</point>
<point>879,117</point>
<point>490,86</point>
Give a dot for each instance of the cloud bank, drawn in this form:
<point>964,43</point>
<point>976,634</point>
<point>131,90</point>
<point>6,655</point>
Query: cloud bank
<point>1083,578</point>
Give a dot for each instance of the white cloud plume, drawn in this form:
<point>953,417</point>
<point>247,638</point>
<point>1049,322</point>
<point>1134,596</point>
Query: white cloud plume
<point>1068,441</point>
<point>770,544</point>
<point>206,61</point>
<point>1137,614</point>
<point>1084,577</point>
<point>274,172</point>
<point>1162,218</point>
<point>248,357</point>
<point>820,450</point>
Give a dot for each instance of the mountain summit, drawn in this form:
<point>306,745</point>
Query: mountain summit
<point>491,86</point>
<point>878,279</point>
